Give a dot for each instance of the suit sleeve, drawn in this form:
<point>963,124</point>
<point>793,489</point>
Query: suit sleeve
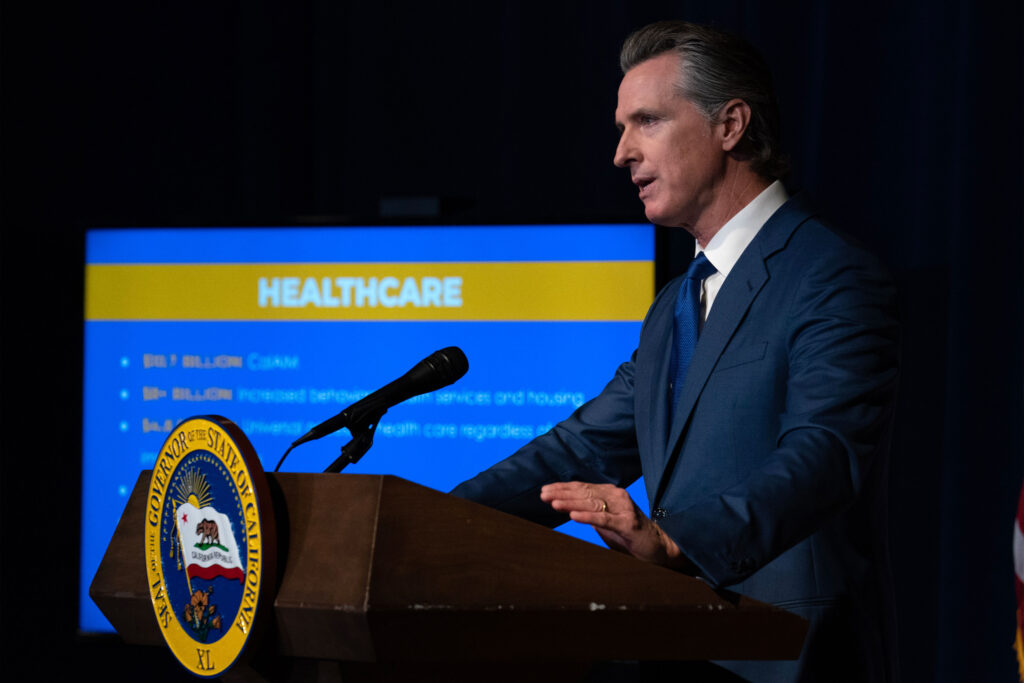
<point>842,353</point>
<point>596,444</point>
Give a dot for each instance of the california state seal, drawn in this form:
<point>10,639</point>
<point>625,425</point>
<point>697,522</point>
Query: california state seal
<point>209,543</point>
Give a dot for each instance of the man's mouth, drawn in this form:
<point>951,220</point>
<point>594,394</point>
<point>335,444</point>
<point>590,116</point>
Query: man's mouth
<point>643,185</point>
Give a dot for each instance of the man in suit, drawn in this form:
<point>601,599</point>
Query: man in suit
<point>763,443</point>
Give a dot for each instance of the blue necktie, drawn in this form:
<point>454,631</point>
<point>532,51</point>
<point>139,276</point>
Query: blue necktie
<point>687,323</point>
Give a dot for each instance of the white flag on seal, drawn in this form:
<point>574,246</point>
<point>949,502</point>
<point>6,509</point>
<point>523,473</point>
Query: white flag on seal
<point>208,543</point>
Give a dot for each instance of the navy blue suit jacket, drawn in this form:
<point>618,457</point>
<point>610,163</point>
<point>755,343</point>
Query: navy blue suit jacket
<point>771,473</point>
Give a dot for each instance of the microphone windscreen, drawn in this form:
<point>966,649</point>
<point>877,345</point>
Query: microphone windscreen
<point>451,363</point>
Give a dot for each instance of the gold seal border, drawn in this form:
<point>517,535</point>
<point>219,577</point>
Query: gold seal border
<point>201,434</point>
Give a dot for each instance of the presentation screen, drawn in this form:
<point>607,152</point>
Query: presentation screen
<point>279,329</point>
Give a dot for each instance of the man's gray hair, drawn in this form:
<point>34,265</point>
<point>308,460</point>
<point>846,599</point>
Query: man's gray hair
<point>717,67</point>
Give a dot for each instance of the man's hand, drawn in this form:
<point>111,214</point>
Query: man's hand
<point>617,519</point>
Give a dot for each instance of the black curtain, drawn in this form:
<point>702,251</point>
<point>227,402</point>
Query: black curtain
<point>903,123</point>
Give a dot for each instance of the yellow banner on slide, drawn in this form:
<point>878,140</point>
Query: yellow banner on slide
<point>496,291</point>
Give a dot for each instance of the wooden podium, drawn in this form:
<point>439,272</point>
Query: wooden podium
<point>383,575</point>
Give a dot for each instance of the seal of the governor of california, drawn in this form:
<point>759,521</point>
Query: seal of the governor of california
<point>209,543</point>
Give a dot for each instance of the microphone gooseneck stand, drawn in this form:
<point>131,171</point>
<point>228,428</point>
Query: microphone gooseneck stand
<point>362,439</point>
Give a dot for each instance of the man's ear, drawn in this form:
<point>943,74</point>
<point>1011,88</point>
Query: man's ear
<point>733,120</point>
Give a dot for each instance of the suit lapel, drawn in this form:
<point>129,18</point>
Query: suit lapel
<point>737,293</point>
<point>653,405</point>
<point>741,287</point>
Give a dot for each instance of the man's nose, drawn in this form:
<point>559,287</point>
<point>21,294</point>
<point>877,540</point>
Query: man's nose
<point>625,151</point>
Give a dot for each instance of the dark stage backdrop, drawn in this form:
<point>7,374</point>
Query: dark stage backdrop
<point>903,122</point>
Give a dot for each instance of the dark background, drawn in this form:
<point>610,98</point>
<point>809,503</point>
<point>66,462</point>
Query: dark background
<point>903,122</point>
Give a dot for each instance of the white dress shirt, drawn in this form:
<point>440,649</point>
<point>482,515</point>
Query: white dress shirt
<point>729,243</point>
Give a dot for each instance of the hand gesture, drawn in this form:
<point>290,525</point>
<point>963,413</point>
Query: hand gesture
<point>617,519</point>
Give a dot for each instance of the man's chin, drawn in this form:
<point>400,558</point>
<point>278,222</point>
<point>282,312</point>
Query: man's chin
<point>653,215</point>
<point>658,218</point>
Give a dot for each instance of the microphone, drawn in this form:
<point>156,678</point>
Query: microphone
<point>436,371</point>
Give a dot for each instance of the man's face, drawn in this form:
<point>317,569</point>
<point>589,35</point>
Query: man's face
<point>670,149</point>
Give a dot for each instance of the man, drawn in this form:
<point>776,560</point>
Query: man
<point>763,444</point>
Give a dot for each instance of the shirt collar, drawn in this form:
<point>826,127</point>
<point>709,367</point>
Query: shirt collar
<point>728,244</point>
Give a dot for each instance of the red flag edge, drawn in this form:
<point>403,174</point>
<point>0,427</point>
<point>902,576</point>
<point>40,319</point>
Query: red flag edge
<point>1018,570</point>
